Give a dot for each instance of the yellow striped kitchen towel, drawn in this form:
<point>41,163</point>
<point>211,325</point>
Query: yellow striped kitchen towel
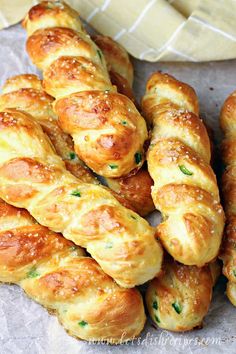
<point>164,30</point>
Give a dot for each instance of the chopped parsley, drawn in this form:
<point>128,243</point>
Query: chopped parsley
<point>123,122</point>
<point>113,166</point>
<point>99,54</point>
<point>157,319</point>
<point>234,272</point>
<point>32,273</point>
<point>155,305</point>
<point>177,307</point>
<point>138,157</point>
<point>73,248</point>
<point>185,170</point>
<point>133,217</point>
<point>76,193</point>
<point>109,245</point>
<point>82,323</point>
<point>72,155</point>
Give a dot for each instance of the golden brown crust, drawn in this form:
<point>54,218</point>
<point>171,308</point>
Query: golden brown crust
<point>94,111</point>
<point>73,65</point>
<point>55,273</point>
<point>25,92</point>
<point>228,153</point>
<point>185,188</point>
<point>136,189</point>
<point>179,298</point>
<point>32,176</point>
<point>117,58</point>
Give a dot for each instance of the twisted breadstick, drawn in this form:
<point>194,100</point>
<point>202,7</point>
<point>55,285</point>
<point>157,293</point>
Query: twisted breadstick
<point>32,176</point>
<point>228,254</point>
<point>25,92</point>
<point>107,129</point>
<point>118,63</point>
<point>185,188</point>
<point>180,298</point>
<point>56,274</point>
<point>136,187</point>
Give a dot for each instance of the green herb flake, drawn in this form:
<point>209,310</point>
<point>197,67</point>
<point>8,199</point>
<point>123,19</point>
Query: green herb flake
<point>157,319</point>
<point>73,248</point>
<point>76,193</point>
<point>155,305</point>
<point>82,323</point>
<point>109,245</point>
<point>133,217</point>
<point>32,273</point>
<point>99,54</point>
<point>123,122</point>
<point>234,272</point>
<point>177,307</point>
<point>185,170</point>
<point>72,155</point>
<point>113,166</point>
<point>138,157</point>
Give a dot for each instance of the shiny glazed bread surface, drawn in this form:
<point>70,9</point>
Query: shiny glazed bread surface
<point>33,177</point>
<point>179,298</point>
<point>185,188</point>
<point>55,273</point>
<point>107,129</point>
<point>228,153</point>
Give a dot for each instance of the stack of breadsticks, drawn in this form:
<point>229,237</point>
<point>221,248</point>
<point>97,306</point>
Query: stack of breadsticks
<point>82,120</point>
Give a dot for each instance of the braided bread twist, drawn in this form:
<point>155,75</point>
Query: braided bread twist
<point>56,274</point>
<point>32,176</point>
<point>25,92</point>
<point>185,188</point>
<point>118,63</point>
<point>228,254</point>
<point>107,129</point>
<point>180,297</point>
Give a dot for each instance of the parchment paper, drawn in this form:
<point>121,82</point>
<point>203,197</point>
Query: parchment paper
<point>27,328</point>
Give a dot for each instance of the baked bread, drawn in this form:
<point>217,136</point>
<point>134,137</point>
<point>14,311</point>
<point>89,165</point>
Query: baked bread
<point>118,64</point>
<point>136,187</point>
<point>108,131</point>
<point>33,177</point>
<point>56,274</point>
<point>180,297</point>
<point>228,153</point>
<point>185,188</point>
<point>25,92</point>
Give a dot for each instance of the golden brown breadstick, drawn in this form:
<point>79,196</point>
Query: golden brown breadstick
<point>25,92</point>
<point>118,63</point>
<point>56,274</point>
<point>228,254</point>
<point>33,177</point>
<point>108,131</point>
<point>179,299</point>
<point>136,187</point>
<point>185,188</point>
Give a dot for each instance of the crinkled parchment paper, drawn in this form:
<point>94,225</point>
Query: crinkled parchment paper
<point>27,328</point>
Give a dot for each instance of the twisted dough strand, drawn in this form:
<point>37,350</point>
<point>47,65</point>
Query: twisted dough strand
<point>25,92</point>
<point>56,274</point>
<point>180,297</point>
<point>107,129</point>
<point>33,177</point>
<point>228,254</point>
<point>185,188</point>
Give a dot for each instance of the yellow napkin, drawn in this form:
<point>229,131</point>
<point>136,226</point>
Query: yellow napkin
<point>164,30</point>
